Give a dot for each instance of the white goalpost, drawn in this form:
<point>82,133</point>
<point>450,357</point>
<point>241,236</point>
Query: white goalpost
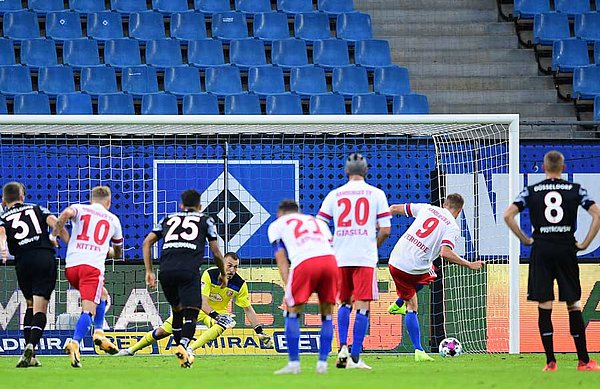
<point>243,165</point>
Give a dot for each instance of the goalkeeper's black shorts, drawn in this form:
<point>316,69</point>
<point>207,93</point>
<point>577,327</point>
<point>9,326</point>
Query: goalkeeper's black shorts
<point>36,273</point>
<point>181,288</point>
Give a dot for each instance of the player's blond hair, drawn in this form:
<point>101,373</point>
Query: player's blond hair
<point>454,201</point>
<point>554,161</point>
<point>100,193</point>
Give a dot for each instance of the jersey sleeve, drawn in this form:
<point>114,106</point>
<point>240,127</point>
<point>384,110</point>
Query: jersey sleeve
<point>117,238</point>
<point>450,237</point>
<point>211,229</point>
<point>413,209</point>
<point>242,299</point>
<point>522,198</point>
<point>584,199</point>
<point>45,211</point>
<point>273,232</point>
<point>384,215</point>
<point>205,284</point>
<point>158,228</point>
<point>326,211</point>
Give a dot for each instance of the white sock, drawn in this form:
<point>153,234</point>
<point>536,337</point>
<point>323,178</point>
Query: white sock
<point>294,363</point>
<point>321,364</point>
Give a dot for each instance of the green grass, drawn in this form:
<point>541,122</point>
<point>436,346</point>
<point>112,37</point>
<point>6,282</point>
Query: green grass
<point>397,371</point>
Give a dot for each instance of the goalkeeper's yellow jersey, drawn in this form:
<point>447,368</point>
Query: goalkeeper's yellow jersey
<point>219,298</point>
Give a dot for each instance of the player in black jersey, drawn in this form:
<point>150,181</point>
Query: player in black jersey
<point>184,236</point>
<point>553,205</point>
<point>24,232</point>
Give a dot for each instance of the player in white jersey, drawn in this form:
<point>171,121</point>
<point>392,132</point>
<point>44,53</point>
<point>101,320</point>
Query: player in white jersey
<point>304,242</point>
<point>433,233</point>
<point>94,228</point>
<point>358,210</point>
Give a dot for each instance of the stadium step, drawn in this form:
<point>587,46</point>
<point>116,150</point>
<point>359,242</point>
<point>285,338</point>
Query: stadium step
<point>462,56</point>
<point>491,96</point>
<point>383,15</point>
<point>424,4</point>
<point>531,111</point>
<point>498,69</point>
<point>449,29</point>
<point>426,84</point>
<point>472,42</point>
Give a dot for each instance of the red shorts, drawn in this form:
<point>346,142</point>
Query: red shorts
<point>406,283</point>
<point>358,283</point>
<point>87,280</point>
<point>317,274</point>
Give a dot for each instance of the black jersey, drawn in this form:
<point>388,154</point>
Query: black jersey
<point>553,205</point>
<point>184,236</point>
<point>26,228</point>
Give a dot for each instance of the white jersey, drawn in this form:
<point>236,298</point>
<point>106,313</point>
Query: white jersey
<point>421,243</point>
<point>94,228</point>
<point>356,209</point>
<point>303,237</point>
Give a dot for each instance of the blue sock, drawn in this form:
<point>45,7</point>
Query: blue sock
<point>99,316</point>
<point>344,323</point>
<point>412,326</point>
<point>361,324</point>
<point>399,302</point>
<point>326,337</point>
<point>83,326</point>
<point>292,336</point>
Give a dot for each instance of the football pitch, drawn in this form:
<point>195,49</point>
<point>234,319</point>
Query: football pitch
<point>397,371</point>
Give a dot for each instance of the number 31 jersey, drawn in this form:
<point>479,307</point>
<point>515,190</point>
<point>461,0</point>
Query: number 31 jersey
<point>26,228</point>
<point>421,243</point>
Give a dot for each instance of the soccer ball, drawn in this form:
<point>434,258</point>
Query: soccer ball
<point>450,347</point>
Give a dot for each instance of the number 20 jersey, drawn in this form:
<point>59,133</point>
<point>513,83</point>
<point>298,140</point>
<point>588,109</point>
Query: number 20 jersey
<point>421,243</point>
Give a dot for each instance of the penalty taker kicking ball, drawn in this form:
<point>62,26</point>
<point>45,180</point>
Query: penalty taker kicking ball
<point>450,347</point>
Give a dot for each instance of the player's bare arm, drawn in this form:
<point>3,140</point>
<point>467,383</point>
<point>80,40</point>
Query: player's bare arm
<point>398,209</point>
<point>449,255</point>
<point>62,220</point>
<point>219,261</point>
<point>265,339</point>
<point>383,234</point>
<point>151,238</point>
<point>3,245</point>
<point>509,218</point>
<point>64,234</point>
<point>283,264</point>
<point>594,210</point>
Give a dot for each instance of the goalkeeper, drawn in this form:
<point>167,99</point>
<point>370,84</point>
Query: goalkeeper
<point>214,313</point>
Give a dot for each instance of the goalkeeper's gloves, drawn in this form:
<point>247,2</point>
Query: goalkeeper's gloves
<point>265,339</point>
<point>225,321</point>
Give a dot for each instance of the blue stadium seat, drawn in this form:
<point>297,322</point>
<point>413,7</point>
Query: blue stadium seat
<point>122,52</point>
<point>188,26</point>
<point>308,80</point>
<point>159,104</point>
<point>32,104</point>
<point>223,80</point>
<point>87,6</point>
<point>597,108</point>
<point>289,53</point>
<point>146,26</point>
<point>350,81</point>
<point>572,7</point>
<point>170,6</point>
<point>139,80</point>
<point>372,53</point>
<point>7,52</point>
<point>391,81</point>
<point>331,53</point>
<point>312,26</point>
<point>335,7</point>
<point>3,108</point>
<point>21,25</point>
<point>200,104</point>
<point>550,27</point>
<point>105,25</point>
<point>99,80</point>
<point>210,7</point>
<point>54,80</point>
<point>229,25</point>
<point>266,80</point>
<point>206,52</point>
<point>253,6</point>
<point>597,53</point>
<point>116,104</point>
<point>270,26</point>
<point>329,104</point>
<point>370,104</point>
<point>63,25</point>
<point>527,9</point>
<point>354,27</point>
<point>586,82</point>
<point>412,104</point>
<point>587,26</point>
<point>569,54</point>
<point>242,104</point>
<point>128,6</point>
<point>286,104</point>
<point>43,6</point>
<point>10,5</point>
<point>36,53</point>
<point>295,6</point>
<point>81,52</point>
<point>182,80</point>
<point>163,53</point>
<point>15,79</point>
<point>246,53</point>
<point>74,104</point>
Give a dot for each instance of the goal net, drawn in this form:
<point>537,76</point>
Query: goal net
<point>243,167</point>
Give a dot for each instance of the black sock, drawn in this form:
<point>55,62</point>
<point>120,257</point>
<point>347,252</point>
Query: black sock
<point>27,325</point>
<point>546,332</point>
<point>577,328</point>
<point>37,328</point>
<point>177,326</point>
<point>190,317</point>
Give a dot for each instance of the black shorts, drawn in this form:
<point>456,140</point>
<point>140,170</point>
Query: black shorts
<point>549,262</point>
<point>36,273</point>
<point>181,288</point>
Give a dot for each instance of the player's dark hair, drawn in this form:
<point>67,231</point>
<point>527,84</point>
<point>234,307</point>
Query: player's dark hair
<point>232,255</point>
<point>190,198</point>
<point>11,192</point>
<point>454,201</point>
<point>356,164</point>
<point>554,161</point>
<point>288,205</point>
